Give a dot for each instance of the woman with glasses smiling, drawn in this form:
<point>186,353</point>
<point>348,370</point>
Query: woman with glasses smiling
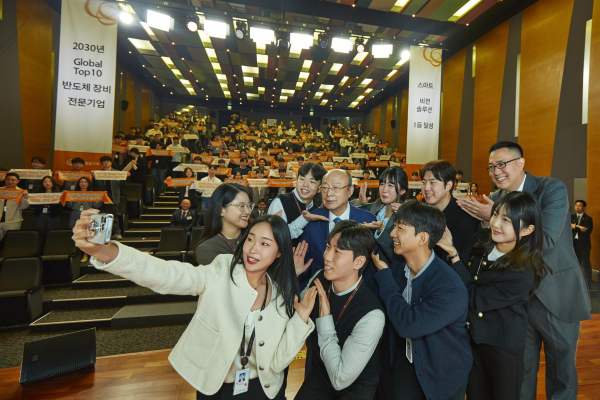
<point>226,220</point>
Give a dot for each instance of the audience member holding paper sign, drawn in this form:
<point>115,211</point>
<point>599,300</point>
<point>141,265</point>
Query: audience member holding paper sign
<point>31,181</point>
<point>111,182</point>
<point>186,192</point>
<point>159,164</point>
<point>12,201</point>
<point>46,207</point>
<point>208,192</point>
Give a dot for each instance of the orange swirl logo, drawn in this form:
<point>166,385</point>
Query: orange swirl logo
<point>103,18</point>
<point>435,56</point>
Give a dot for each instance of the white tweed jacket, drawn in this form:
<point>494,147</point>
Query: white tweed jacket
<point>206,350</point>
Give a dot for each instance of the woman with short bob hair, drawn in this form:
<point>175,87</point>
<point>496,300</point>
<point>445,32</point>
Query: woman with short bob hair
<point>248,324</point>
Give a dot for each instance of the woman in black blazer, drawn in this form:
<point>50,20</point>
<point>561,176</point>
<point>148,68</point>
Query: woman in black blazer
<point>501,271</point>
<point>393,190</point>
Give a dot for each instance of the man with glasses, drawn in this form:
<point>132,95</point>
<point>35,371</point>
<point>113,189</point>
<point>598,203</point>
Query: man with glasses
<point>336,190</point>
<point>561,301</point>
<point>296,205</point>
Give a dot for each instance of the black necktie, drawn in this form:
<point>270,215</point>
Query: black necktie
<point>184,213</point>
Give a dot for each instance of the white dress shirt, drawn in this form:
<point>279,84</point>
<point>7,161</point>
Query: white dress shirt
<point>345,215</point>
<point>296,226</point>
<point>520,189</point>
<point>345,365</point>
<point>208,192</point>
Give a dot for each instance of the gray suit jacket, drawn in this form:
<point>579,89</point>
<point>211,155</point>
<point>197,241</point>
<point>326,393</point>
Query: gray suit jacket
<point>564,293</point>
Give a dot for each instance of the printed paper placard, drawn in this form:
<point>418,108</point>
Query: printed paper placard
<point>180,182</point>
<point>85,197</point>
<point>193,167</point>
<point>479,198</point>
<point>142,149</point>
<point>159,153</point>
<point>110,175</point>
<point>223,171</point>
<point>281,182</point>
<point>190,137</point>
<point>463,186</point>
<point>359,155</point>
<point>3,175</point>
<point>377,164</point>
<point>258,182</point>
<point>32,173</point>
<point>216,161</point>
<point>199,185</point>
<point>370,183</point>
<point>242,182</point>
<point>415,185</point>
<point>459,195</point>
<point>44,198</point>
<point>72,176</point>
<point>217,144</point>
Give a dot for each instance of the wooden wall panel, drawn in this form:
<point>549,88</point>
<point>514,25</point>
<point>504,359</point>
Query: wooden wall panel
<point>454,76</point>
<point>130,97</point>
<point>145,107</point>
<point>34,19</point>
<point>403,132</point>
<point>376,117</point>
<point>544,36</point>
<point>489,74</point>
<point>593,134</point>
<point>389,116</point>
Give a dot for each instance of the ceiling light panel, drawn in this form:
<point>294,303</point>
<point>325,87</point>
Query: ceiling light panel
<point>212,55</point>
<point>261,90</point>
<point>335,68</point>
<point>303,76</point>
<point>282,99</point>
<point>365,82</point>
<point>318,95</point>
<point>250,71</point>
<point>149,31</point>
<point>222,78</point>
<point>382,50</point>
<point>323,102</point>
<point>359,57</point>
<point>252,96</point>
<point>248,81</point>
<point>205,39</point>
<point>306,65</point>
<point>262,60</point>
<point>399,5</point>
<point>341,45</point>
<point>142,44</point>
<point>261,35</point>
<point>464,9</point>
<point>216,29</point>
<point>343,81</point>
<point>287,92</point>
<point>159,21</point>
<point>301,40</point>
<point>326,88</point>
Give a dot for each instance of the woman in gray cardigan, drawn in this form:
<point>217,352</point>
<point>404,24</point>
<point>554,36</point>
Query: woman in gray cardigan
<point>83,184</point>
<point>393,190</point>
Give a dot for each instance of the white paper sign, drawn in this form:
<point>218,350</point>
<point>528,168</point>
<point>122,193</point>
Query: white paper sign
<point>424,88</point>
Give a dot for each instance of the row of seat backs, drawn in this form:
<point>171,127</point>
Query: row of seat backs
<point>27,243</point>
<point>175,239</point>
<point>20,274</point>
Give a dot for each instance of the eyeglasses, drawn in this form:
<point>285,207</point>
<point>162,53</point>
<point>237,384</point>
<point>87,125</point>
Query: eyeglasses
<point>334,189</point>
<point>243,206</point>
<point>500,165</point>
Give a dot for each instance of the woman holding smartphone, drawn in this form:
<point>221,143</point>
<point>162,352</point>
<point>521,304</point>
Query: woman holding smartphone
<point>248,325</point>
<point>501,271</point>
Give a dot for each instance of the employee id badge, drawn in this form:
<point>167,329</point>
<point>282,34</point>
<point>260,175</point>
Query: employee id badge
<point>409,350</point>
<point>31,186</point>
<point>242,378</point>
<point>189,217</point>
<point>45,210</point>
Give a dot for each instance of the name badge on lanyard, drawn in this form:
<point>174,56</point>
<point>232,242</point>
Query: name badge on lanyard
<point>409,350</point>
<point>242,377</point>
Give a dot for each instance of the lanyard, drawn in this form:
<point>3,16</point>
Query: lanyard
<point>298,204</point>
<point>347,301</point>
<point>245,354</point>
<point>228,242</point>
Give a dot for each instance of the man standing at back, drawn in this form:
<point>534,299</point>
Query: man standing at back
<point>561,301</point>
<point>336,190</point>
<point>582,226</point>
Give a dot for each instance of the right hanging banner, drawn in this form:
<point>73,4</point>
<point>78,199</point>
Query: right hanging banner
<point>424,101</point>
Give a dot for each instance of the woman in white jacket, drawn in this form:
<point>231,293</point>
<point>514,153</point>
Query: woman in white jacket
<point>248,324</point>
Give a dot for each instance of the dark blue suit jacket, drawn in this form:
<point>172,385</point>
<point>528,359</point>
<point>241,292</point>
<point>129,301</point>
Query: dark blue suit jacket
<point>316,233</point>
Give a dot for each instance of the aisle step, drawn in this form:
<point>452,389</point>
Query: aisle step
<point>141,232</point>
<point>154,314</point>
<point>148,224</point>
<point>156,217</point>
<point>60,320</point>
<point>161,210</point>
<point>98,281</point>
<point>141,241</point>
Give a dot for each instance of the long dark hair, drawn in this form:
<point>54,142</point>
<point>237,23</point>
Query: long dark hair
<point>222,196</point>
<point>55,187</point>
<point>282,271</point>
<point>524,210</point>
<point>89,188</point>
<point>397,177</point>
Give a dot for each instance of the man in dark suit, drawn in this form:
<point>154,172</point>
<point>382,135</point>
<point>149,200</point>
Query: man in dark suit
<point>336,190</point>
<point>260,209</point>
<point>413,192</point>
<point>185,217</point>
<point>139,171</point>
<point>582,226</point>
<point>561,301</point>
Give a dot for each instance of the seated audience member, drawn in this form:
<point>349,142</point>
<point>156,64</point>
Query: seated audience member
<point>238,175</point>
<point>505,266</point>
<point>113,190</point>
<point>77,163</point>
<point>207,193</point>
<point>349,319</point>
<point>33,184</point>
<point>296,204</point>
<point>427,304</point>
<point>185,192</point>
<point>184,217</point>
<point>474,189</point>
<point>46,217</point>
<point>459,176</point>
<point>83,185</point>
<point>438,183</point>
<point>413,193</point>
<point>582,226</point>
<point>139,168</point>
<point>10,210</point>
<point>225,222</point>
<point>259,193</point>
<point>260,209</point>
<point>336,190</point>
<point>152,132</point>
<point>119,157</point>
<point>221,165</point>
<point>281,190</point>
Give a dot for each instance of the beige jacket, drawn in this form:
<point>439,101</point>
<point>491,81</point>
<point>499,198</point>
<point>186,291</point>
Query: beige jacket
<point>13,210</point>
<point>208,346</point>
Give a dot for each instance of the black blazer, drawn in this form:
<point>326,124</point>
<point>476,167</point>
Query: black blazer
<point>189,222</point>
<point>583,237</point>
<point>461,225</point>
<point>385,242</point>
<point>139,174</point>
<point>254,213</point>
<point>497,301</point>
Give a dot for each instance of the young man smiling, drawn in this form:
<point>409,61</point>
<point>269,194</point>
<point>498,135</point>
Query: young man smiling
<point>296,205</point>
<point>349,319</point>
<point>427,303</point>
<point>438,183</point>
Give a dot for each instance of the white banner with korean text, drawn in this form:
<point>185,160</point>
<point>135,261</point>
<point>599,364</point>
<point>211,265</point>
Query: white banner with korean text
<point>424,97</point>
<point>86,81</point>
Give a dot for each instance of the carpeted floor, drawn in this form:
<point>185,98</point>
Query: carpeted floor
<point>109,341</point>
<point>595,299</point>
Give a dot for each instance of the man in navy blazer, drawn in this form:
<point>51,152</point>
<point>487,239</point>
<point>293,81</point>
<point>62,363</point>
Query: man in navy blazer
<point>336,190</point>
